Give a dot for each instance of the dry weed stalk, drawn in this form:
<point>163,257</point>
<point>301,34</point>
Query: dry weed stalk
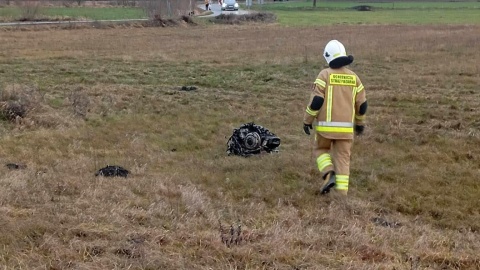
<point>232,236</point>
<point>80,102</point>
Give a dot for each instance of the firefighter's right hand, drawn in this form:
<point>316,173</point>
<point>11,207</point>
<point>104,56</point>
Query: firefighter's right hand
<point>306,128</point>
<point>359,129</point>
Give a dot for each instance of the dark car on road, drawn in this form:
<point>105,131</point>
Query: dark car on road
<point>230,5</point>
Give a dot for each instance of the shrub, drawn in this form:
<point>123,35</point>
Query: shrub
<point>263,17</point>
<point>167,8</point>
<point>25,106</point>
<point>160,22</point>
<point>28,10</point>
<point>17,101</point>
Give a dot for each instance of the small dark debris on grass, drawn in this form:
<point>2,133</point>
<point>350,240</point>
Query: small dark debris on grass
<point>80,234</point>
<point>127,252</point>
<point>382,222</point>
<point>15,109</point>
<point>95,251</point>
<point>188,88</point>
<point>456,126</point>
<point>12,109</point>
<point>112,171</point>
<point>15,166</point>
<point>363,8</point>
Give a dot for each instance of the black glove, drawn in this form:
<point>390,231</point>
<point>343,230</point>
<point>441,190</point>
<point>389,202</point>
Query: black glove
<point>306,128</point>
<point>359,129</point>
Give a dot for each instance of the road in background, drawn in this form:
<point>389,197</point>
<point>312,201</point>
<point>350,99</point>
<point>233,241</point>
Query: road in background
<point>217,10</point>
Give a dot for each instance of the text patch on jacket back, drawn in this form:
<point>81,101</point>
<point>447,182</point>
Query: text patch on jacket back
<point>343,79</point>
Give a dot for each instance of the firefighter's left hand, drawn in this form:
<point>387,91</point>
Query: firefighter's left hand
<point>306,128</point>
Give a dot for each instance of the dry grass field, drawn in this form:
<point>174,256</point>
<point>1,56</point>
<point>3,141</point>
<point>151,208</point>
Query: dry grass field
<point>94,97</point>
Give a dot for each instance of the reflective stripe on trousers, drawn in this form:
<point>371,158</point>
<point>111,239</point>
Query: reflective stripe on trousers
<point>323,161</point>
<point>341,182</point>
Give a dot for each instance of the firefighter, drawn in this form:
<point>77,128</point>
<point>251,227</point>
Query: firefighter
<point>337,109</point>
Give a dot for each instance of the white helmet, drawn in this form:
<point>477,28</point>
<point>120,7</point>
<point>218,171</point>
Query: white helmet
<point>335,50</point>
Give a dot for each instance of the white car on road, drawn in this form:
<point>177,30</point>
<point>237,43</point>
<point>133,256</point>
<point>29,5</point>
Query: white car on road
<point>230,5</point>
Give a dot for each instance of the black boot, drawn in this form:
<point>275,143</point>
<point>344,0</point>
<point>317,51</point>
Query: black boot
<point>328,183</point>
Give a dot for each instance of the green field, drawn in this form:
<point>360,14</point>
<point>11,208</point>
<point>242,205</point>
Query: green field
<point>327,13</point>
<point>377,5</point>
<point>323,17</point>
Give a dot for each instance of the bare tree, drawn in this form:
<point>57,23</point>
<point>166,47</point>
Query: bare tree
<point>69,3</point>
<point>29,9</point>
<point>167,8</point>
<point>126,3</point>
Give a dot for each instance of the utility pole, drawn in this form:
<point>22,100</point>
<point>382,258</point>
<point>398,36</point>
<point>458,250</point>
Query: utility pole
<point>169,8</point>
<point>248,3</point>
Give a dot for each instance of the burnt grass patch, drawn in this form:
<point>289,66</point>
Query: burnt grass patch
<point>261,17</point>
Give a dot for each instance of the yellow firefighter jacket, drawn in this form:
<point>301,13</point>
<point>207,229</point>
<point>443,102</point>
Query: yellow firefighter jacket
<point>343,93</point>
